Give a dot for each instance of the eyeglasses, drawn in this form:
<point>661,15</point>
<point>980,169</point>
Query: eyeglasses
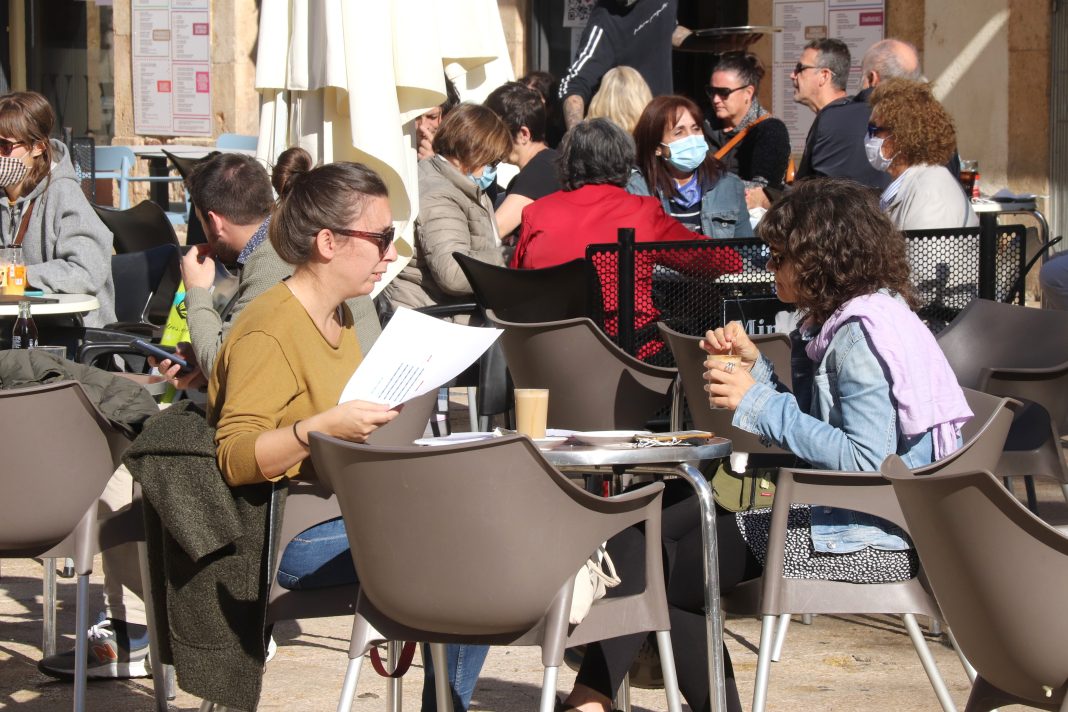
<point>723,92</point>
<point>6,147</point>
<point>798,68</point>
<point>873,130</point>
<point>384,238</point>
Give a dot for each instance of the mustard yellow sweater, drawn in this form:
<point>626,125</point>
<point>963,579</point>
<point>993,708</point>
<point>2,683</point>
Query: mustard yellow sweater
<point>274,369</point>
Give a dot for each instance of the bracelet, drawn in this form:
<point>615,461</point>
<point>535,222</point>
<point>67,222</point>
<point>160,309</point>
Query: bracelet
<point>302,442</point>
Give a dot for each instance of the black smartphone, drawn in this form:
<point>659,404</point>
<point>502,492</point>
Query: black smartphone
<point>160,352</point>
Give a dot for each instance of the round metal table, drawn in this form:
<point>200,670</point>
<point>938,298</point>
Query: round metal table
<point>683,460</point>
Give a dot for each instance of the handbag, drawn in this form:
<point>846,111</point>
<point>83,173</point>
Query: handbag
<point>753,489</point>
<point>592,582</point>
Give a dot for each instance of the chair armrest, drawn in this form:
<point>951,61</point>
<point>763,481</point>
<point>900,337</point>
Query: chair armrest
<point>1045,386</point>
<point>443,310</point>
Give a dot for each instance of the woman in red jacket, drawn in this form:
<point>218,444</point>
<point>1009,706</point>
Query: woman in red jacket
<point>596,160</point>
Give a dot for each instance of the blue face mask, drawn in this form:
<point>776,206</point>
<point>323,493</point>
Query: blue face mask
<point>489,174</point>
<point>688,153</point>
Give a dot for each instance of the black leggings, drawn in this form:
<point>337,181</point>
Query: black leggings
<point>607,662</point>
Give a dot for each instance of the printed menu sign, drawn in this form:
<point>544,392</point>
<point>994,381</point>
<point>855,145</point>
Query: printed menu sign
<point>171,46</point>
<point>858,23</point>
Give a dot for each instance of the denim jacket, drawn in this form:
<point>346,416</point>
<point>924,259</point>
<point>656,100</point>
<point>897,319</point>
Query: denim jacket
<point>723,209</point>
<point>842,418</point>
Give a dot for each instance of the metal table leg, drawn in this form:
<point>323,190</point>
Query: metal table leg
<point>713,611</point>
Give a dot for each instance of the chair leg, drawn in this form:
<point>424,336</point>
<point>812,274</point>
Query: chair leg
<point>806,619</point>
<point>442,689</point>
<point>472,408</point>
<point>1032,498</point>
<point>1064,491</point>
<point>348,688</point>
<point>81,639</point>
<point>623,695</point>
<point>548,690</point>
<point>780,637</point>
<point>206,706</point>
<point>394,685</point>
<point>667,667</point>
<point>162,675</point>
<point>763,671</point>
<point>968,669</point>
<point>48,639</point>
<point>927,660</point>
<point>935,627</point>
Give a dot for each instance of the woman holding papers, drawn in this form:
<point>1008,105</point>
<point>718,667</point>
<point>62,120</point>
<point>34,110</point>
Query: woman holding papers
<point>287,358</point>
<point>282,368</point>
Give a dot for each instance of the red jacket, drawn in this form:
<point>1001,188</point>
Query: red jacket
<point>558,227</point>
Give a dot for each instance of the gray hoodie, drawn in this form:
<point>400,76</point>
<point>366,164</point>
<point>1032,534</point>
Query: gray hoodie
<point>67,248</point>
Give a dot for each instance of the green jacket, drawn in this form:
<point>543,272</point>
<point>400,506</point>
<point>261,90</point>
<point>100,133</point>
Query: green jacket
<point>210,550</point>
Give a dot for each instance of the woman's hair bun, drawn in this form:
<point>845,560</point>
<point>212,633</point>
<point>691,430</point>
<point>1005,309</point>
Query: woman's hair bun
<point>291,164</point>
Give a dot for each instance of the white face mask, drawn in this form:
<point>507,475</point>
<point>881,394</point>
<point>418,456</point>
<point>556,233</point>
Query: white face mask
<point>873,148</point>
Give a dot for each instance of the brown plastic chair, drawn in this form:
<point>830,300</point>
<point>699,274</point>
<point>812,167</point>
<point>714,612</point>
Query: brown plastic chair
<point>593,384</point>
<point>55,440</point>
<point>774,595</point>
<point>1022,353</point>
<point>999,574</point>
<point>479,543</point>
<point>689,357</point>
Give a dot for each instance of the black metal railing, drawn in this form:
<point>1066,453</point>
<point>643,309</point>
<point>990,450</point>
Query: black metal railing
<point>698,285</point>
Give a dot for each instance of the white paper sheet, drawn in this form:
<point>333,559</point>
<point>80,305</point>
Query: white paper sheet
<point>415,354</point>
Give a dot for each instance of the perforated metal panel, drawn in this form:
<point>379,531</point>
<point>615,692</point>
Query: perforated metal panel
<point>81,155</point>
<point>698,285</point>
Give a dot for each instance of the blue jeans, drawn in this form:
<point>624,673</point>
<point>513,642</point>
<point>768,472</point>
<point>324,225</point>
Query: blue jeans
<point>464,663</point>
<point>319,557</point>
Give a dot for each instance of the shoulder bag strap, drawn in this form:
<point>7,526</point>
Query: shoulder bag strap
<point>24,224</point>
<point>737,137</point>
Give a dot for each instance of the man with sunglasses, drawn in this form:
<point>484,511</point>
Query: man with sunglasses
<point>835,143</point>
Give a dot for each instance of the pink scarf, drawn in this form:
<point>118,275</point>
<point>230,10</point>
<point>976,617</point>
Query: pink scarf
<point>924,386</point>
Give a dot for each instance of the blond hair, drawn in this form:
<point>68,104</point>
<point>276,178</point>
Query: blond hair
<point>621,98</point>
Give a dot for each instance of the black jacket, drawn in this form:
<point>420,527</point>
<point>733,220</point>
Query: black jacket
<point>835,143</point>
<point>638,37</point>
<point>762,155</point>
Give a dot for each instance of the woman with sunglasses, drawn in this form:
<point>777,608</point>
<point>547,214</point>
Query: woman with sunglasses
<point>455,212</point>
<point>66,247</point>
<point>911,137</point>
<point>869,382</point>
<point>675,166</point>
<point>751,143</point>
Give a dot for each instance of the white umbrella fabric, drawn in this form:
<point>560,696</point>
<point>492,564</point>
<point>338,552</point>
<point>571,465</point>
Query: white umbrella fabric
<point>346,79</point>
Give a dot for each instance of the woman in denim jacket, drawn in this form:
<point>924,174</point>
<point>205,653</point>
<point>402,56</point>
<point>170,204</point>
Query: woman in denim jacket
<point>675,166</point>
<point>869,381</point>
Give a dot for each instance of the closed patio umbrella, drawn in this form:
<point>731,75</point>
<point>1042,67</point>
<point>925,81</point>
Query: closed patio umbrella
<point>345,80</point>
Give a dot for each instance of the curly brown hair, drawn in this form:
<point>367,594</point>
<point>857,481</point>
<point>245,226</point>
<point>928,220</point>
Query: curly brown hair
<point>839,244</point>
<point>922,129</point>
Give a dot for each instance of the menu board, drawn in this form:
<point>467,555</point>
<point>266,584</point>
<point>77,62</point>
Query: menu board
<point>858,23</point>
<point>171,46</point>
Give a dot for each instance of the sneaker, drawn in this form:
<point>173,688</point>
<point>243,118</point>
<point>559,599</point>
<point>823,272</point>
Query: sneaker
<point>109,656</point>
<point>645,671</point>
